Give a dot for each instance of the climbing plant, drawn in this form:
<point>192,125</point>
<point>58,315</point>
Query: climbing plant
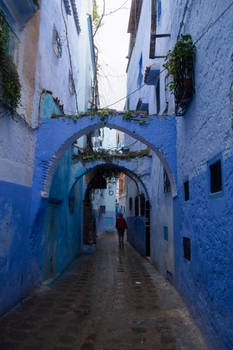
<point>108,155</point>
<point>180,65</point>
<point>9,78</point>
<point>135,116</point>
<point>95,15</point>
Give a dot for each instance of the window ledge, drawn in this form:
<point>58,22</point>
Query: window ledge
<point>216,195</point>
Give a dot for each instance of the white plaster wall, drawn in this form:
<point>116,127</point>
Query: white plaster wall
<point>17,140</point>
<point>162,252</point>
<point>205,130</point>
<point>142,45</point>
<point>53,72</point>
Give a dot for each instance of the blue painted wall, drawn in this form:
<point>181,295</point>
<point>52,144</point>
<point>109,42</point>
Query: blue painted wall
<point>62,237</point>
<point>16,270</point>
<point>136,233</point>
<point>206,281</point>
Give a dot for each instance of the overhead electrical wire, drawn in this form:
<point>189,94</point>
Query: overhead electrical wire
<point>196,41</point>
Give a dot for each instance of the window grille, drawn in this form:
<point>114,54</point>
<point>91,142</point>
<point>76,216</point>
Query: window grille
<point>57,44</point>
<point>153,28</point>
<point>76,17</point>
<point>71,83</point>
<point>67,7</point>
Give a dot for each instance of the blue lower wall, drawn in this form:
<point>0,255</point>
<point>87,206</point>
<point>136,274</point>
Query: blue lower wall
<point>136,233</point>
<point>206,282</point>
<point>16,270</point>
<point>62,233</point>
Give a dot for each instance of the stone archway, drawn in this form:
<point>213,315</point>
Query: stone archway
<point>135,224</point>
<point>56,135</point>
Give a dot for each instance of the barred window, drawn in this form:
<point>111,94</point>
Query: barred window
<point>67,7</point>
<point>57,44</point>
<point>76,17</point>
<point>71,83</point>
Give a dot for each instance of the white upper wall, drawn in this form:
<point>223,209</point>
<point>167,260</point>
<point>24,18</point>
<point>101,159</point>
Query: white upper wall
<point>52,71</point>
<point>205,130</point>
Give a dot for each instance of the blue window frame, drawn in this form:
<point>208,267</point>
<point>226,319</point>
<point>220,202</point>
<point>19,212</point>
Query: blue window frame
<point>159,6</point>
<point>140,75</point>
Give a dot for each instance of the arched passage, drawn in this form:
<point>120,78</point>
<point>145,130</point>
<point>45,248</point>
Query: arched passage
<point>135,177</point>
<point>55,136</point>
<point>138,232</point>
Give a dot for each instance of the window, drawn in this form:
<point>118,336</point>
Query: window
<point>215,177</point>
<point>166,182</point>
<point>186,190</point>
<point>57,44</point>
<point>142,204</point>
<point>165,233</point>
<point>159,9</point>
<point>187,248</point>
<point>72,203</point>
<point>130,203</point>
<point>76,17</point>
<point>102,209</point>
<point>140,75</point>
<point>153,29</point>
<point>139,104</point>
<point>71,83</point>
<point>67,7</point>
<point>136,206</point>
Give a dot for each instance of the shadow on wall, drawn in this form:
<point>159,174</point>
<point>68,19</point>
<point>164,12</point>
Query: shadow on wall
<point>63,222</point>
<point>136,233</point>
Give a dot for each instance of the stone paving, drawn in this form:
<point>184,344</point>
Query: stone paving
<point>111,299</point>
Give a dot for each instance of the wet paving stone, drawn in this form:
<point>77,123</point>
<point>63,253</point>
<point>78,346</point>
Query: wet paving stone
<point>109,302</point>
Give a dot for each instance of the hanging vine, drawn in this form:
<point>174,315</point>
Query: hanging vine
<point>9,78</point>
<point>109,156</point>
<point>180,65</point>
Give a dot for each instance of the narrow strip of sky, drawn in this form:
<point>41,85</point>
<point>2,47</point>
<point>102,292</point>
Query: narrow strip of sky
<point>112,41</point>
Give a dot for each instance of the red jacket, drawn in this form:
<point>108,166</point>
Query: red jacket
<point>121,223</point>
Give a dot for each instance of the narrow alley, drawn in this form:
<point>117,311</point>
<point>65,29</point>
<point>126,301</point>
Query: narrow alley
<point>109,299</point>
<point>116,115</point>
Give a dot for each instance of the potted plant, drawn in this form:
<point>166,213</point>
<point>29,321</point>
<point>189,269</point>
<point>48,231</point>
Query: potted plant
<point>180,65</point>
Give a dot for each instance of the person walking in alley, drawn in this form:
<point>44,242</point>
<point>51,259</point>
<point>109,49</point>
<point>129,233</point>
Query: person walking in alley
<point>121,225</point>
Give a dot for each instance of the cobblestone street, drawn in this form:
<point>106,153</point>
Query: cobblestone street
<point>111,300</point>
